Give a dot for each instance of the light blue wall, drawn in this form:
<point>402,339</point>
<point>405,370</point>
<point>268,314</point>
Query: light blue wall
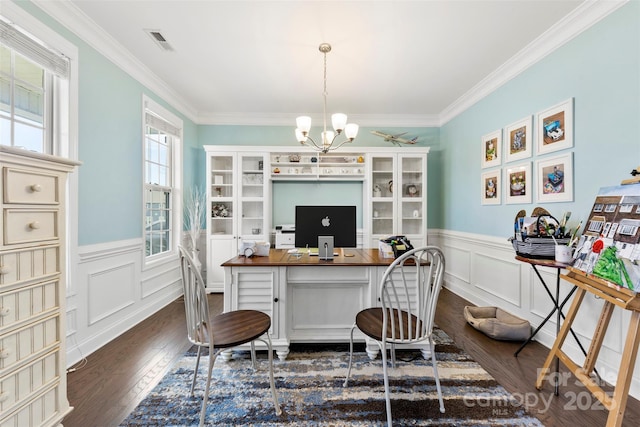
<point>110,147</point>
<point>287,195</point>
<point>601,69</point>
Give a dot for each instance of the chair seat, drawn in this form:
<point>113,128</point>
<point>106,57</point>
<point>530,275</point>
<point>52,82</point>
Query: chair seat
<point>238,327</point>
<point>369,321</point>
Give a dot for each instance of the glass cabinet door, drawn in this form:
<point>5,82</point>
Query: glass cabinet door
<point>382,200</point>
<point>221,195</point>
<point>412,203</point>
<point>252,197</point>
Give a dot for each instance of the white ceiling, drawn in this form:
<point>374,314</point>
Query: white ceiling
<point>392,61</point>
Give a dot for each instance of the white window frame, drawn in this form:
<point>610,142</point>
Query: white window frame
<point>150,106</point>
<point>60,102</point>
<point>65,137</point>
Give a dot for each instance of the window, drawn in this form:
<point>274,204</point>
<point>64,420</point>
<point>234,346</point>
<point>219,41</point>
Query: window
<point>161,164</point>
<point>596,225</point>
<point>628,227</point>
<point>33,79</point>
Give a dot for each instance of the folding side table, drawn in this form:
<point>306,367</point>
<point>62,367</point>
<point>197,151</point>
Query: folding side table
<point>557,305</point>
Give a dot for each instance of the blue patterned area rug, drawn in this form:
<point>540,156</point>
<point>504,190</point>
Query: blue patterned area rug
<point>310,391</point>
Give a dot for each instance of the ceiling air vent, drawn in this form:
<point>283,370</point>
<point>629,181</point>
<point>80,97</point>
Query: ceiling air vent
<point>157,37</point>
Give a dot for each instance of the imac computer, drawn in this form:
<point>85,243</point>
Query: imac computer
<point>338,222</point>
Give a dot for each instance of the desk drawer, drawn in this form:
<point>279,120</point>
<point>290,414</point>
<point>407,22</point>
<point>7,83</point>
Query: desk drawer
<point>30,226</point>
<point>30,187</point>
<point>328,274</point>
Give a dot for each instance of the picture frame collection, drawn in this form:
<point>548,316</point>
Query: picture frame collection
<point>509,176</point>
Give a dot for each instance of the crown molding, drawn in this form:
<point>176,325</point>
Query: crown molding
<point>583,17</point>
<point>76,21</point>
<point>288,119</point>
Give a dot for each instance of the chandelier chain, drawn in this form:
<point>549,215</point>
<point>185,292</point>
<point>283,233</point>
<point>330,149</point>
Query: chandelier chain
<point>324,94</point>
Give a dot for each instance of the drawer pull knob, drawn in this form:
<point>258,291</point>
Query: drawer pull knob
<point>5,269</point>
<point>4,311</point>
<point>36,188</point>
<point>4,397</point>
<point>4,353</point>
<point>34,225</point>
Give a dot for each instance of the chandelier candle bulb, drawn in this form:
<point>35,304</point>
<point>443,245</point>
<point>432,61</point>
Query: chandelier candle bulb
<point>304,124</point>
<point>351,131</point>
<point>339,121</point>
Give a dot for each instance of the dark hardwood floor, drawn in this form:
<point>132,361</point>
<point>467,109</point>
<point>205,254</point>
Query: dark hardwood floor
<point>120,374</point>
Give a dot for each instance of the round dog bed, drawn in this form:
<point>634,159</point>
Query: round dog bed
<point>497,323</point>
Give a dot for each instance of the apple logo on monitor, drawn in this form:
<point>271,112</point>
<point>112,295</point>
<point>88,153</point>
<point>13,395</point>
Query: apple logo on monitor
<point>326,222</point>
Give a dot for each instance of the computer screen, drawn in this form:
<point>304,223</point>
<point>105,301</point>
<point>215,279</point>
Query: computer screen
<point>336,221</point>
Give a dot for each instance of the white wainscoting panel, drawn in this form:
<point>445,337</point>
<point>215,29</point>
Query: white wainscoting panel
<point>110,291</point>
<point>461,268</point>
<point>113,292</point>
<point>497,277</point>
<point>484,271</point>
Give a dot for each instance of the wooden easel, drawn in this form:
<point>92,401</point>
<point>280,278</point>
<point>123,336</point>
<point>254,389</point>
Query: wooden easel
<point>613,296</point>
<point>635,179</point>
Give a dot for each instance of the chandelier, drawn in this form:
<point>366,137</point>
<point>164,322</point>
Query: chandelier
<point>338,120</point>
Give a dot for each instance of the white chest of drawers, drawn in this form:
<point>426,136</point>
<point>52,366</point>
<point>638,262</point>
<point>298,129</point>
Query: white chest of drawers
<point>33,388</point>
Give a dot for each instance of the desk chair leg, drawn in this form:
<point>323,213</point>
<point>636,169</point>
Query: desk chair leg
<point>195,372</point>
<point>253,356</point>
<point>393,356</point>
<point>435,374</point>
<point>346,380</point>
<point>271,380</point>
<point>386,385</point>
<point>212,358</point>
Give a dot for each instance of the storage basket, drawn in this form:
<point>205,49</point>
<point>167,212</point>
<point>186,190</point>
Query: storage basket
<point>537,245</point>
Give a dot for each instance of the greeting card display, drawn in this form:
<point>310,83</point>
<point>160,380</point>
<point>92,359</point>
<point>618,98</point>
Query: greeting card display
<point>610,243</point>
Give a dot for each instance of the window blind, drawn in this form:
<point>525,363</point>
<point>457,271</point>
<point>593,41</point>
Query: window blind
<point>162,125</point>
<point>26,45</point>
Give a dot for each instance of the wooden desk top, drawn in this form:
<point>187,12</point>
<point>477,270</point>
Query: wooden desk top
<point>281,257</point>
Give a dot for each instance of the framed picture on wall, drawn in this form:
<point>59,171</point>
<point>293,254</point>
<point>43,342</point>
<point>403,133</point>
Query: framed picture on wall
<point>555,128</point>
<point>518,140</point>
<point>517,183</point>
<point>554,179</point>
<point>491,187</point>
<point>492,149</point>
